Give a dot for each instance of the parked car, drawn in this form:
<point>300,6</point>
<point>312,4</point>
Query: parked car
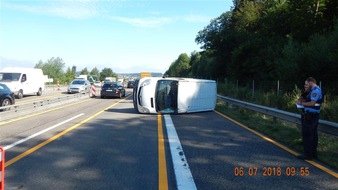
<point>130,84</point>
<point>112,89</point>
<point>6,96</point>
<point>79,86</point>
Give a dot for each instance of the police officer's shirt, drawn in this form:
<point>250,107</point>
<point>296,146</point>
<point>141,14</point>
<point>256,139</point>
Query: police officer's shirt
<point>315,95</point>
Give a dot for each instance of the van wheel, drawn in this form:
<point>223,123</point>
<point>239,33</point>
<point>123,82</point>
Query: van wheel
<point>39,93</point>
<point>20,94</point>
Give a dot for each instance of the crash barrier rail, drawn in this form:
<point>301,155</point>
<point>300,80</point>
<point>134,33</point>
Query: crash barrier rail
<point>325,126</point>
<point>2,168</point>
<point>20,109</point>
<point>54,87</point>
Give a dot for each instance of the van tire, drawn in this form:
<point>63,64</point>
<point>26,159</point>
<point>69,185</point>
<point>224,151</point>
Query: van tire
<point>39,93</point>
<point>19,95</point>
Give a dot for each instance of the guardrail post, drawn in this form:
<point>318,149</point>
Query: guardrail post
<point>253,88</point>
<point>2,168</point>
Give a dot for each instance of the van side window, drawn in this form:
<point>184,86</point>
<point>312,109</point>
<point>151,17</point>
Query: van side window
<point>23,79</point>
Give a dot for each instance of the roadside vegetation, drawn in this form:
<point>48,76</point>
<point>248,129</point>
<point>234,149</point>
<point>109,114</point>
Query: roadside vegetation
<point>284,101</point>
<point>54,68</point>
<point>284,132</point>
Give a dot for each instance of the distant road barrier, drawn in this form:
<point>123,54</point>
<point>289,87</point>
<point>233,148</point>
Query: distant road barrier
<point>325,126</point>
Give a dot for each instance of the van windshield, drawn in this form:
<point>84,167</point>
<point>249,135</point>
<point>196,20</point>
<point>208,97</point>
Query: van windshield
<point>166,96</point>
<point>6,77</point>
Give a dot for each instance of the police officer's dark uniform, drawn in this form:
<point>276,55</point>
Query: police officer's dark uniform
<point>310,118</point>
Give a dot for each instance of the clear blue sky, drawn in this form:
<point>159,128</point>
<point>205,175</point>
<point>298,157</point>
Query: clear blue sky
<point>124,35</point>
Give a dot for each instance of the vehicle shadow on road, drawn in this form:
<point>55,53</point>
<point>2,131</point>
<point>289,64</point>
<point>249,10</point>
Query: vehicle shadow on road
<point>123,110</point>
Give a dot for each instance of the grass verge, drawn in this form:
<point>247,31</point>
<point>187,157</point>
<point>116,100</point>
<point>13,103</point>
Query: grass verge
<point>283,132</point>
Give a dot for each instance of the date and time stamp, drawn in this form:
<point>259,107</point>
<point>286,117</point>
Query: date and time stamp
<point>288,171</point>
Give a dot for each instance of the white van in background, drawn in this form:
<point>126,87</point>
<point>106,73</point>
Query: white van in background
<point>174,95</point>
<point>23,81</point>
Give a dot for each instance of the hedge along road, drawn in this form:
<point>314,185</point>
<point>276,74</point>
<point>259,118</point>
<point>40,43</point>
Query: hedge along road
<point>115,148</point>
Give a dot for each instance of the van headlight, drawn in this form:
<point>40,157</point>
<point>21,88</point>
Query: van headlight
<point>146,82</point>
<point>144,110</point>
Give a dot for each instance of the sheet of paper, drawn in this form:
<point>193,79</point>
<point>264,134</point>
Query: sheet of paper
<point>299,106</point>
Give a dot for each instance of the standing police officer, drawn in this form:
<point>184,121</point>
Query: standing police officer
<point>310,118</point>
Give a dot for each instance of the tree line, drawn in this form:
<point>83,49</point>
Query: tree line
<point>265,40</point>
<point>54,68</point>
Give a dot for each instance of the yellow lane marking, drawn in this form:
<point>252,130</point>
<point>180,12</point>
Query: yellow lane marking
<point>37,147</point>
<point>321,167</point>
<point>40,113</point>
<point>162,165</point>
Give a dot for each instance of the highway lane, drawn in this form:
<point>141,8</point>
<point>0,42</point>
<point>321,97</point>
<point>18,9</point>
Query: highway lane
<point>117,148</point>
<point>114,148</point>
<point>217,150</point>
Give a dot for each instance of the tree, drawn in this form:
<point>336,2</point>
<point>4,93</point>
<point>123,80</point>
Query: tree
<point>180,67</point>
<point>107,72</point>
<point>74,69</point>
<point>95,71</point>
<point>69,76</point>
<point>84,71</point>
<point>53,67</point>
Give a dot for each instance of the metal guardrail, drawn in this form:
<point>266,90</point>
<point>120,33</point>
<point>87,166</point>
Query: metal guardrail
<point>21,109</point>
<point>325,126</point>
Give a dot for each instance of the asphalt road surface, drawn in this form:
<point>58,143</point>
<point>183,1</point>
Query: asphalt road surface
<point>104,144</point>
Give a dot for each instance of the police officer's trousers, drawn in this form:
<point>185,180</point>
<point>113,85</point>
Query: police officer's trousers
<point>310,134</point>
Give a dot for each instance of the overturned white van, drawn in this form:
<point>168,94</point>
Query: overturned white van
<point>23,81</point>
<point>174,95</point>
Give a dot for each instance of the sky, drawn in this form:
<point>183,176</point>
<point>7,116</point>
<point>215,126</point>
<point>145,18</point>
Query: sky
<point>128,36</point>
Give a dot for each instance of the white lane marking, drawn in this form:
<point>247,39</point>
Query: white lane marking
<point>41,132</point>
<point>183,174</point>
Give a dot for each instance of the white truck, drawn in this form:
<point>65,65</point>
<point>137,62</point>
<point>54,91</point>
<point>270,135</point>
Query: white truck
<point>110,79</point>
<point>23,81</point>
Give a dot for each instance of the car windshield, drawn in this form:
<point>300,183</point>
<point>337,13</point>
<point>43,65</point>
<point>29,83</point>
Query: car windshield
<point>78,82</point>
<point>114,85</point>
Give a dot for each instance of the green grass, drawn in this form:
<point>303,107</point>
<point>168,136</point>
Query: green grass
<point>285,101</point>
<point>285,133</point>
